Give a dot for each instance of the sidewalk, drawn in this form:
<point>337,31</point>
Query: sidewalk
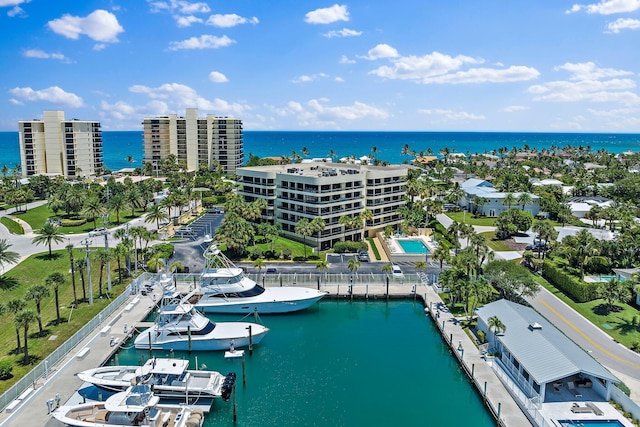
<point>61,380</point>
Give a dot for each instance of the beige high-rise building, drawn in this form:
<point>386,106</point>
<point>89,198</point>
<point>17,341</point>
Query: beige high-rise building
<point>55,146</point>
<point>195,141</point>
<point>329,191</point>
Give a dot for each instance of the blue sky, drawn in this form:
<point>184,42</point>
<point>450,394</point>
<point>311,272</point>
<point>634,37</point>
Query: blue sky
<point>462,65</point>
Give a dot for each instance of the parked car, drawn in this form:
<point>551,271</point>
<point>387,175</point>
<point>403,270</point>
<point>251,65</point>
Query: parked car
<point>363,256</point>
<point>97,232</point>
<point>272,270</point>
<point>397,272</point>
<point>538,247</point>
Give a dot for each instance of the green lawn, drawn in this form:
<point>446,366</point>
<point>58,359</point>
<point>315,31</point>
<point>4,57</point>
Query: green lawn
<point>35,217</point>
<point>297,249</point>
<point>496,245</point>
<point>468,218</point>
<point>12,226</point>
<point>621,325</point>
<point>34,270</point>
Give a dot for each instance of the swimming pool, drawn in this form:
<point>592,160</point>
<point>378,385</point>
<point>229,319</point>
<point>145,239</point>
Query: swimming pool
<point>413,246</point>
<point>590,423</point>
<point>605,278</point>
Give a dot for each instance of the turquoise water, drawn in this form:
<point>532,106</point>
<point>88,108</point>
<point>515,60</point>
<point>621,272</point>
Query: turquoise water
<point>413,246</point>
<point>345,364</point>
<point>594,423</point>
<point>117,145</point>
<point>606,278</point>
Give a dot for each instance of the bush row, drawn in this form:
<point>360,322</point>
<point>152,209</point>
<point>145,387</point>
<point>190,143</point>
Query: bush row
<point>348,246</point>
<point>572,286</point>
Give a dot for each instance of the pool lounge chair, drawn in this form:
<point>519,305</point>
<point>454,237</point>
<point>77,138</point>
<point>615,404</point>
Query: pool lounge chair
<point>594,408</point>
<point>572,389</point>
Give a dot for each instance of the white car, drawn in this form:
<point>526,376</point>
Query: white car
<point>98,232</point>
<point>396,272</point>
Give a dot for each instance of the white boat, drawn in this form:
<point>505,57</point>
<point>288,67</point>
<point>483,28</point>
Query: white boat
<point>137,406</point>
<point>170,379</point>
<point>179,326</point>
<point>224,288</point>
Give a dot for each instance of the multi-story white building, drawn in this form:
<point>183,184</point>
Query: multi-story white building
<point>55,146</point>
<point>329,191</point>
<point>195,141</point>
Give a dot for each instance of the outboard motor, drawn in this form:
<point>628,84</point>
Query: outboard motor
<point>227,386</point>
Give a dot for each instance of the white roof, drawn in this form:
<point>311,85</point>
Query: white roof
<point>545,352</point>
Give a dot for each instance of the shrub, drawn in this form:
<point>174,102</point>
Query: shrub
<point>255,253</point>
<point>374,248</point>
<point>271,254</point>
<point>482,337</point>
<point>572,286</point>
<point>73,222</point>
<point>348,246</point>
<point>286,253</point>
<point>163,250</point>
<point>6,367</point>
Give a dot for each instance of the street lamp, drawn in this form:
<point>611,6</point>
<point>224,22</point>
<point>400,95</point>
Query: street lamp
<point>460,349</point>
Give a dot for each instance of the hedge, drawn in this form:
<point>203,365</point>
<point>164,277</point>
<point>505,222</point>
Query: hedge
<point>348,246</point>
<point>572,286</point>
<point>374,248</point>
<point>73,222</point>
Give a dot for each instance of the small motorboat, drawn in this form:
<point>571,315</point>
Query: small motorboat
<point>137,406</point>
<point>170,378</point>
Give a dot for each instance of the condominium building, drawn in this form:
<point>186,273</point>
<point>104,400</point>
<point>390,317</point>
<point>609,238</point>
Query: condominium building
<point>55,146</point>
<point>195,141</point>
<point>329,191</point>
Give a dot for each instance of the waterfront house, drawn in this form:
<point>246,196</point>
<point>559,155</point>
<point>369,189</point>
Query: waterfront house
<point>544,363</point>
<point>475,188</point>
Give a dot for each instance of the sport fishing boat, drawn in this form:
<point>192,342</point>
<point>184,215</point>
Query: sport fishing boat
<point>179,326</point>
<point>138,406</point>
<point>170,378</point>
<point>224,288</point>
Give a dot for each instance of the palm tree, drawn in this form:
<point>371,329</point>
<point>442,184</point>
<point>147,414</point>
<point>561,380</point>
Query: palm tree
<point>92,209</point>
<point>509,200</point>
<point>69,249</point>
<point>103,256</point>
<point>387,268</point>
<point>353,265</point>
<point>303,228</point>
<point>118,203</point>
<point>496,325</point>
<point>441,254</point>
<point>81,266</point>
<point>524,199</point>
<point>48,234</point>
<point>259,264</point>
<point>7,256</point>
<point>156,214</point>
<point>119,252</point>
<point>54,280</point>
<point>322,265</point>
<point>23,320</point>
<point>38,293</point>
<point>130,159</point>
<point>15,306</point>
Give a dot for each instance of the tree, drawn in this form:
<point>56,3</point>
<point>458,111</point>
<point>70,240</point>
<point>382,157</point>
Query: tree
<point>496,325</point>
<point>304,229</point>
<point>15,306</point>
<point>156,214</point>
<point>37,293</point>
<point>48,234</point>
<point>7,256</point>
<point>524,199</point>
<point>387,268</point>
<point>259,264</point>
<point>81,266</point>
<point>614,291</point>
<point>92,209</point>
<point>353,265</point>
<point>118,203</point>
<point>322,265</point>
<point>103,256</point>
<point>441,254</point>
<point>509,200</point>
<point>23,320</point>
<point>54,280</point>
<point>513,281</point>
<point>69,248</point>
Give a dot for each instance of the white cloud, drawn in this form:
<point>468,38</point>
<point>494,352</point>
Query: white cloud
<point>623,24</point>
<point>186,21</point>
<point>230,20</point>
<point>420,67</point>
<point>99,25</point>
<point>218,77</point>
<point>486,75</point>
<point>345,60</point>
<point>339,80</point>
<point>205,41</point>
<point>587,82</point>
<point>15,101</point>
<point>607,7</point>
<point>314,113</point>
<point>450,115</point>
<point>16,11</point>
<point>4,3</point>
<point>53,94</point>
<point>382,50</point>
<point>327,15</point>
<point>41,54</point>
<point>124,111</point>
<point>183,7</point>
<point>309,78</point>
<point>514,108</point>
<point>345,32</point>
<point>179,96</point>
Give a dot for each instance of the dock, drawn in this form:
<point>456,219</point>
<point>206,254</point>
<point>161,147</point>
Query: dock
<point>61,383</point>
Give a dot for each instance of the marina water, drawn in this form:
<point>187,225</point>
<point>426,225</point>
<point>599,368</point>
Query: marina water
<point>340,363</point>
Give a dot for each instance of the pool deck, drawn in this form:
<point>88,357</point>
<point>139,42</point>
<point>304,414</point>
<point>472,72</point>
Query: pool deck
<point>32,409</point>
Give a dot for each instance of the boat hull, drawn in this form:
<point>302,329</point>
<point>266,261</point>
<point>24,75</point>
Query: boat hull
<point>271,301</point>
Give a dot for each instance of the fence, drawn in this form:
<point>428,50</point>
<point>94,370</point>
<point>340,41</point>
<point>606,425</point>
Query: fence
<point>625,401</point>
<point>42,369</point>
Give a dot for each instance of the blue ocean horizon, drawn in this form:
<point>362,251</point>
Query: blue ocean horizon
<point>118,145</point>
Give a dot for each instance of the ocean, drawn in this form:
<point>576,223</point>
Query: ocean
<point>117,146</point>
